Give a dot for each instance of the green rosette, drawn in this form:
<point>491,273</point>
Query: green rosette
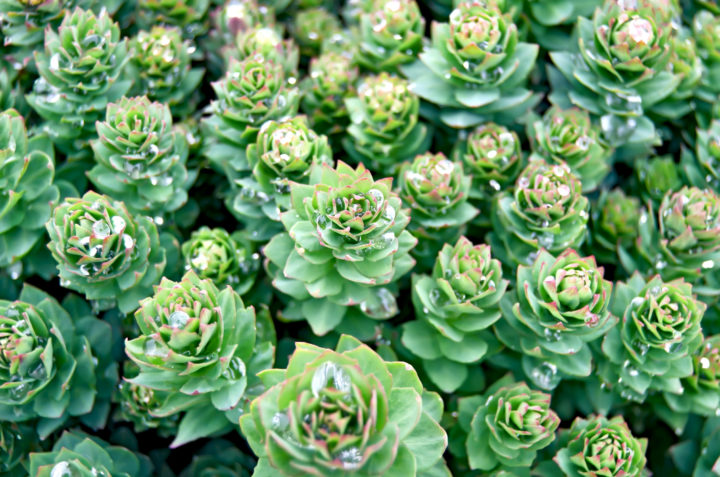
<point>385,129</point>
<point>651,348</point>
<point>140,159</point>
<point>545,210</point>
<point>390,35</point>
<point>201,348</point>
<point>330,82</point>
<point>345,246</point>
<point>224,258</point>
<point>284,152</point>
<point>506,427</point>
<point>436,191</point>
<point>599,446</point>
<point>623,54</point>
<point>682,240</point>
<point>50,371</point>
<point>80,74</point>
<point>104,252</point>
<point>559,306</point>
<point>569,137</point>
<point>345,412</point>
<point>614,225</point>
<point>476,69</point>
<point>454,309</point>
<point>161,64</point>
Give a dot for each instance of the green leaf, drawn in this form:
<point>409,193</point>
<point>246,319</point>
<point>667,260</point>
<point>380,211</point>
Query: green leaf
<point>322,315</point>
<point>447,375</point>
<point>421,339</point>
<point>198,422</point>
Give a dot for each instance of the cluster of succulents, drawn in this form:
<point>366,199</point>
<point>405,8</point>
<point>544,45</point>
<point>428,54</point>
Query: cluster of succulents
<point>402,238</point>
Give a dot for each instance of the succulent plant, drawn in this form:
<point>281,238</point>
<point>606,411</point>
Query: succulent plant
<point>506,427</point>
<point>226,259</point>
<point>454,307</point>
<point>476,69</point>
<point>599,446</point>
<point>345,246</point>
<point>251,93</point>
<point>436,191</point>
<point>545,210</point>
<point>161,62</point>
<point>682,240</point>
<point>27,192</point>
<point>652,346</point>
<point>614,224</point>
<point>49,371</point>
<point>202,348</point>
<point>103,251</point>
<point>140,159</point>
<point>330,81</point>
<point>312,27</point>
<point>492,155</point>
<point>385,129</point>
<point>390,35</point>
<point>625,50</point>
<point>345,412</point>
<point>569,137</point>
<point>135,404</point>
<point>708,460</point>
<point>266,41</point>
<point>76,453</point>
<point>559,305</point>
<point>80,71</point>
<point>284,151</point>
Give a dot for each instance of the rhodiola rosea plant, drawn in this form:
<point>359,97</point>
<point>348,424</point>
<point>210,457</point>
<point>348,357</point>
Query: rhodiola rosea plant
<point>360,238</point>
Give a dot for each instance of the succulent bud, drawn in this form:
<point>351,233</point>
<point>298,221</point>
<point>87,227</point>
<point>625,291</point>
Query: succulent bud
<point>659,331</point>
<point>330,413</point>
<point>139,158</point>
<point>226,259</point>
<point>454,306</point>
<point>509,427</point>
<point>600,446</point>
<point>547,210</point>
<point>561,306</point>
<point>391,34</point>
<point>568,136</point>
<point>353,245</point>
<point>78,78</point>
<point>162,65</point>
<point>385,129</point>
<point>190,331</point>
<point>103,251</point>
<point>329,83</point>
<point>49,369</point>
<point>492,155</point>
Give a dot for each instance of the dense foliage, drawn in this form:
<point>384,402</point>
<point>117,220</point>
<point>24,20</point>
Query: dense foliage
<point>336,238</point>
